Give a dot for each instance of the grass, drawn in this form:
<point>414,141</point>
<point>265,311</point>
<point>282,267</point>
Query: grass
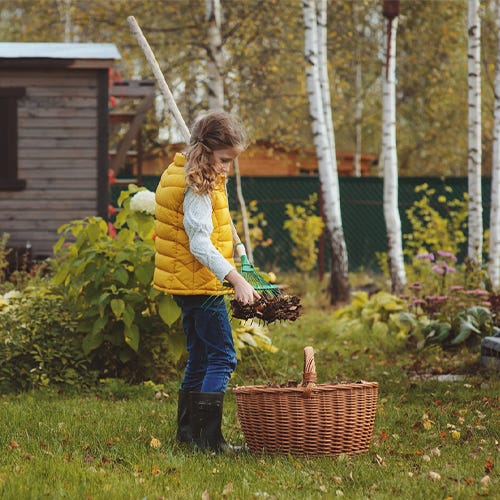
<point>431,439</point>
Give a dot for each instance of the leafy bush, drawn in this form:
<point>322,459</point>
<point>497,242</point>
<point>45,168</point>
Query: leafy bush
<point>305,228</point>
<point>40,342</point>
<point>379,315</point>
<point>105,272</point>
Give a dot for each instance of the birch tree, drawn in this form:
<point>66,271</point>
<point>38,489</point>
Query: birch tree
<point>215,66</point>
<point>215,61</point>
<point>318,90</point>
<point>475,221</point>
<point>494,243</point>
<point>389,152</point>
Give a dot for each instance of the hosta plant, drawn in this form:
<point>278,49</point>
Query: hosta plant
<point>378,314</point>
<point>467,328</point>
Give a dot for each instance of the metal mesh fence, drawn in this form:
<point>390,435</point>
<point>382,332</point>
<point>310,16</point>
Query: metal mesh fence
<point>361,209</point>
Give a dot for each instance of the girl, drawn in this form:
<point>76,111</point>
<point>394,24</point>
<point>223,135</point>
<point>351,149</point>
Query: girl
<point>194,254</point>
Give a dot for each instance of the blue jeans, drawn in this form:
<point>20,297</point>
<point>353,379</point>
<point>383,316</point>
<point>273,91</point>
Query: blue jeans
<point>209,342</point>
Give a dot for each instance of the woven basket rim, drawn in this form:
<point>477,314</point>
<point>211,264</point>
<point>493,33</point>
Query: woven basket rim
<point>327,386</point>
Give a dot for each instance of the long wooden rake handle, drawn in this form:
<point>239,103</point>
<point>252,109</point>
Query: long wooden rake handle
<point>155,67</point>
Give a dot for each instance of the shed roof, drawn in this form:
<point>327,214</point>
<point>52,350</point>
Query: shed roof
<point>76,55</point>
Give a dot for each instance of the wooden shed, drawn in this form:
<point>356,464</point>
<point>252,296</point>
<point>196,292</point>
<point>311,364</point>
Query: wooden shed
<point>53,138</point>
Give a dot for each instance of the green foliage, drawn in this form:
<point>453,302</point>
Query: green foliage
<point>106,274</point>
<point>378,314</point>
<point>4,253</point>
<point>467,328</point>
<point>256,225</point>
<point>305,228</point>
<point>40,342</point>
<point>438,223</point>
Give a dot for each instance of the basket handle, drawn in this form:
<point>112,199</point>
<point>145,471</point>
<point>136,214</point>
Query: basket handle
<point>309,377</point>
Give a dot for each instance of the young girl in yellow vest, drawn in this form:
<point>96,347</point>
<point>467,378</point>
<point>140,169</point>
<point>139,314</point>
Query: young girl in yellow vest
<point>195,244</point>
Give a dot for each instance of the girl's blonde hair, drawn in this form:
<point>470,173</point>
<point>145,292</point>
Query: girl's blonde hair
<point>212,132</point>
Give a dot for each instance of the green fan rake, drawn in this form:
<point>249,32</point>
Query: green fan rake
<point>262,286</point>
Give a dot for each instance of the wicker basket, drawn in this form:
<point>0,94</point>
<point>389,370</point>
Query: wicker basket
<point>310,419</point>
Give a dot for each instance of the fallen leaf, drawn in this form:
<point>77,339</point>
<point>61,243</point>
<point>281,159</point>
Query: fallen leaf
<point>155,443</point>
<point>485,481</point>
<point>469,480</point>
<point>434,476</point>
<point>13,445</point>
<point>427,424</point>
<point>455,434</point>
<point>228,489</point>
<point>436,452</point>
<point>205,495</point>
<point>488,465</point>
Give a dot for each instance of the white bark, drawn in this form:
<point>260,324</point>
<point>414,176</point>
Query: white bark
<point>390,162</point>
<point>358,119</point>
<point>358,99</point>
<point>494,255</point>
<point>215,62</point>
<point>318,90</point>
<point>475,222</point>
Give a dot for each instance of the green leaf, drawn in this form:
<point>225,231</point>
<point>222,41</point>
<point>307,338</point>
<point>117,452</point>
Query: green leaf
<point>169,310</point>
<point>99,325</point>
<point>118,307</point>
<point>92,341</point>
<point>121,275</point>
<point>465,331</point>
<point>132,336</point>
<point>128,315</point>
<point>144,273</point>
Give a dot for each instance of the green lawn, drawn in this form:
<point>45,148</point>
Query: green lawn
<point>432,439</point>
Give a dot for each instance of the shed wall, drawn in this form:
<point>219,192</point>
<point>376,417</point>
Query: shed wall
<point>57,155</point>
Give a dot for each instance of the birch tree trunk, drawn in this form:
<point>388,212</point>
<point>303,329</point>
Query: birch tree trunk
<point>215,66</point>
<point>494,255</point>
<point>390,162</point>
<point>318,90</point>
<point>215,63</point>
<point>358,119</point>
<point>358,84</point>
<point>475,222</point>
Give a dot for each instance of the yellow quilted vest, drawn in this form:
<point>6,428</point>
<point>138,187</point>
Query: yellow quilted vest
<point>177,271</point>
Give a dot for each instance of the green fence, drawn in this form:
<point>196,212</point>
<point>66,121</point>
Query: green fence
<point>361,208</point>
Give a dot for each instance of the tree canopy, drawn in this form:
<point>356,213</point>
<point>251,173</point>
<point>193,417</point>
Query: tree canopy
<point>265,68</point>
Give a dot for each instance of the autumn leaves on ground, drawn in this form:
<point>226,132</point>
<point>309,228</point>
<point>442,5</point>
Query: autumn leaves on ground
<point>433,438</point>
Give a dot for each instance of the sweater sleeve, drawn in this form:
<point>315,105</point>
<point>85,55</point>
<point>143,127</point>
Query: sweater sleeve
<point>199,227</point>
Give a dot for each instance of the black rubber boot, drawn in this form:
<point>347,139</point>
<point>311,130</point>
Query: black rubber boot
<point>184,429</point>
<point>206,421</point>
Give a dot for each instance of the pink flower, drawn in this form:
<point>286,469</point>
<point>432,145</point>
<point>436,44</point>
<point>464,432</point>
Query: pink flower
<point>449,255</point>
<point>476,292</point>
<point>437,269</point>
<point>429,256</point>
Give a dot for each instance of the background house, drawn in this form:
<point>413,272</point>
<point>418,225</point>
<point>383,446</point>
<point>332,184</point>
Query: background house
<point>53,138</point>
<point>262,160</point>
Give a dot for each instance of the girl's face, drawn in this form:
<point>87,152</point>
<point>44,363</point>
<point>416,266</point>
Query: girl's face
<point>223,159</point>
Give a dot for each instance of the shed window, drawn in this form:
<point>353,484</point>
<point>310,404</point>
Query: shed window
<point>8,139</point>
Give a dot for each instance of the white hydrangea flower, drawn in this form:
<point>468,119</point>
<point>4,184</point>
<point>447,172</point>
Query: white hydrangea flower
<point>143,201</point>
<point>13,294</point>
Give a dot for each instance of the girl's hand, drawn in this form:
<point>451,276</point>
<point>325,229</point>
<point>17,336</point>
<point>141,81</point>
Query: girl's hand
<point>244,292</point>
